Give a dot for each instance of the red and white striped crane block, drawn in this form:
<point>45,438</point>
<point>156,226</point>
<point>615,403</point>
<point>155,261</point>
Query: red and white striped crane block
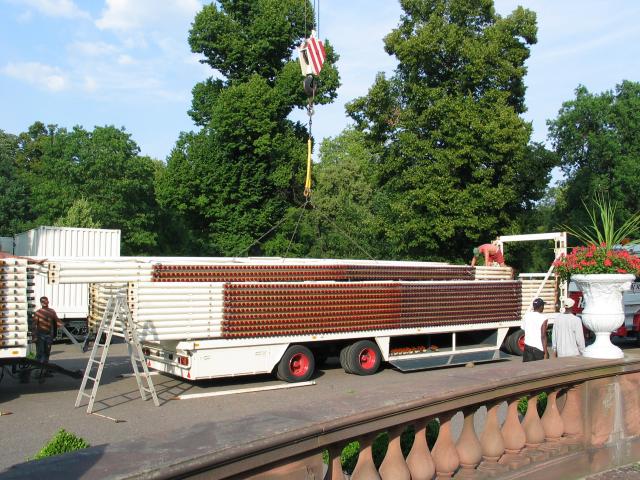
<point>311,55</point>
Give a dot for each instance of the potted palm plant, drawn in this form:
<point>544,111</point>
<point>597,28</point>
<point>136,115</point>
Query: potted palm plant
<point>602,269</point>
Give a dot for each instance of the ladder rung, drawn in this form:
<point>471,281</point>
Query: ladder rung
<point>117,314</point>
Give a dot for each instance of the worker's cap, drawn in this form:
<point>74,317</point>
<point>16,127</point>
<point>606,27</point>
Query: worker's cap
<point>538,302</point>
<point>476,251</point>
<point>569,302</point>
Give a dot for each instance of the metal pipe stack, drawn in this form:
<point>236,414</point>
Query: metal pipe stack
<point>14,306</point>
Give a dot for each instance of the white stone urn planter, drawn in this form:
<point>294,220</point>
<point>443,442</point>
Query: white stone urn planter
<point>603,309</point>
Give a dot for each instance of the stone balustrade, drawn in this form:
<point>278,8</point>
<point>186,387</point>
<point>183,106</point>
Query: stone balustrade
<point>590,423</point>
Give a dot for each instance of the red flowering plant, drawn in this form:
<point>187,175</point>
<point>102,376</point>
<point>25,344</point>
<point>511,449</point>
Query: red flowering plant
<point>597,259</point>
<point>603,252</point>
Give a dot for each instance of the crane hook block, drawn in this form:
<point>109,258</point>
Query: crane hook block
<point>310,86</point>
<point>311,55</point>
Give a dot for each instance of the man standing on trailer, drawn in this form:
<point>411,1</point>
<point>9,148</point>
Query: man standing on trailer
<point>567,336</point>
<point>534,324</point>
<point>492,255</point>
<point>45,327</point>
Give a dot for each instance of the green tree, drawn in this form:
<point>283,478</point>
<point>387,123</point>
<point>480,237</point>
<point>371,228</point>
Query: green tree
<point>597,138</point>
<point>344,220</point>
<point>14,192</point>
<point>103,167</point>
<point>79,215</point>
<point>238,175</point>
<point>454,156</point>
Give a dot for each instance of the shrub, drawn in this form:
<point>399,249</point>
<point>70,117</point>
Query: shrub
<point>349,455</point>
<point>62,442</point>
<point>542,404</point>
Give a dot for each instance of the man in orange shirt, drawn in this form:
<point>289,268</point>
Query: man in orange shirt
<point>492,255</point>
<point>45,326</point>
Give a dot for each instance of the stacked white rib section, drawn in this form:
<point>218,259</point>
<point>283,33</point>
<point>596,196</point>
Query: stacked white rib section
<point>60,271</point>
<point>99,294</point>
<point>176,310</point>
<point>14,307</point>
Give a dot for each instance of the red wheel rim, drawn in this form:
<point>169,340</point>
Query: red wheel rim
<point>367,358</point>
<point>521,343</point>
<point>299,365</point>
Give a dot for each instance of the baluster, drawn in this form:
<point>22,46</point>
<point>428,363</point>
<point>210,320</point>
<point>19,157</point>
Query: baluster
<point>393,466</point>
<point>553,426</point>
<point>514,438</point>
<point>534,431</point>
<point>419,460</point>
<point>365,468</point>
<point>572,416</point>
<point>445,455</point>
<point>468,447</point>
<point>335,466</point>
<point>492,442</point>
<point>551,419</point>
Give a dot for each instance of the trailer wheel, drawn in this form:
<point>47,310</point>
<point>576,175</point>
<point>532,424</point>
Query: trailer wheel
<point>296,365</point>
<point>345,355</point>
<point>363,357</point>
<point>515,342</point>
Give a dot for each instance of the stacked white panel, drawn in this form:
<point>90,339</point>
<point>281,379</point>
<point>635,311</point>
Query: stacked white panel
<point>14,307</point>
<point>176,310</point>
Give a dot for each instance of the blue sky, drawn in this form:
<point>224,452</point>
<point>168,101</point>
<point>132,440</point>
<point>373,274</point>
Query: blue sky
<point>127,63</point>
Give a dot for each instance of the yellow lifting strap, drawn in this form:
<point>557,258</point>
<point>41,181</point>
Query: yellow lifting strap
<point>307,182</point>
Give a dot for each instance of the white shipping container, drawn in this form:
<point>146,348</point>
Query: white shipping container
<point>69,301</point>
<point>6,244</point>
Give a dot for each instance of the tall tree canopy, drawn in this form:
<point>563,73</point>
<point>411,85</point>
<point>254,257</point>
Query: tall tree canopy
<point>597,137</point>
<point>240,173</point>
<point>94,177</point>
<point>454,155</point>
<point>14,192</point>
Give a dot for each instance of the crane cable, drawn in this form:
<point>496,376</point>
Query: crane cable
<point>313,53</point>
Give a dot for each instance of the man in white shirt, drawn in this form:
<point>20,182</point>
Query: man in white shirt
<point>534,324</point>
<point>567,337</point>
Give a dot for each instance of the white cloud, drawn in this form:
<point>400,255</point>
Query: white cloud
<point>57,8</point>
<point>93,49</point>
<point>34,73</point>
<point>126,15</point>
<point>125,60</point>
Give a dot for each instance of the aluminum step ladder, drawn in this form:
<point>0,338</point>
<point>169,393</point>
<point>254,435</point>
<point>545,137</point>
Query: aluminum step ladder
<point>116,310</point>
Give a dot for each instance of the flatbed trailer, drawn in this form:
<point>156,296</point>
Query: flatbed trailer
<point>201,318</point>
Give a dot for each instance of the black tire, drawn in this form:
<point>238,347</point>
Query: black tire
<point>296,365</point>
<point>515,342</point>
<point>344,359</point>
<point>364,357</point>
